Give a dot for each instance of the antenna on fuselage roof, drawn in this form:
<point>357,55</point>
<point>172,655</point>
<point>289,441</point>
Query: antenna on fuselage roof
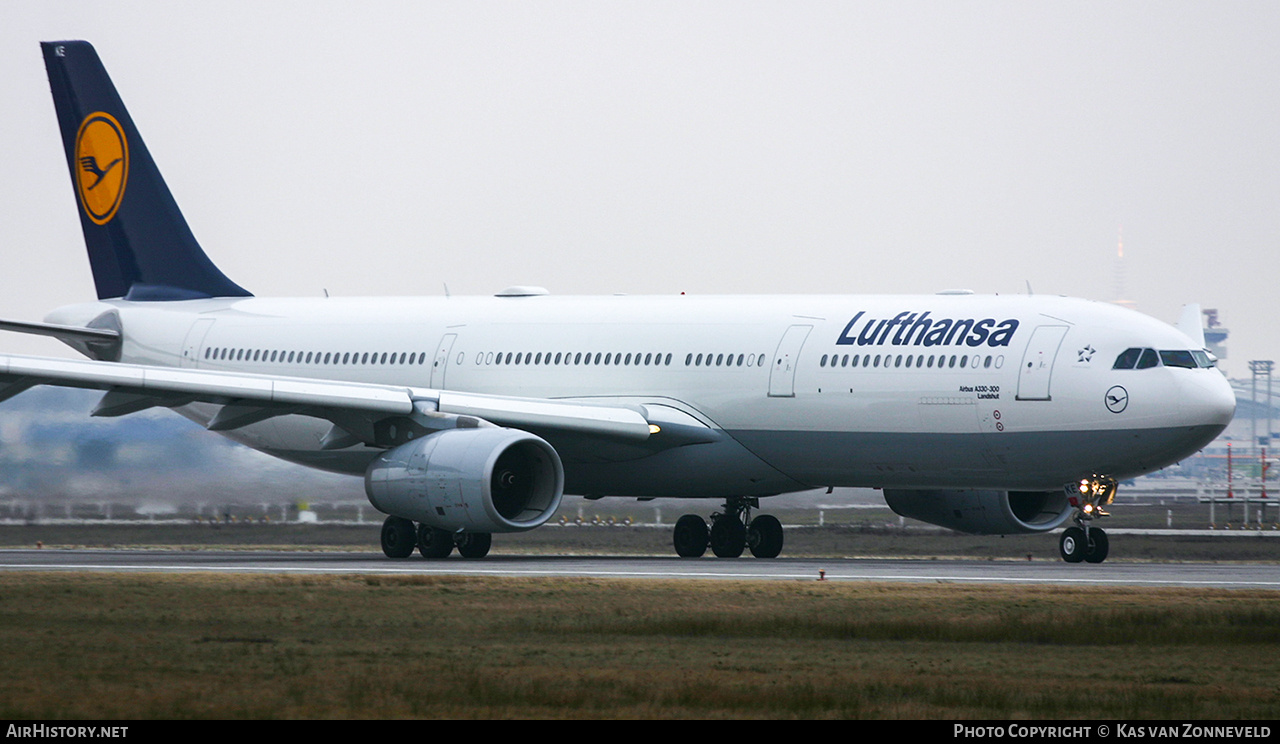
<point>1029,292</point>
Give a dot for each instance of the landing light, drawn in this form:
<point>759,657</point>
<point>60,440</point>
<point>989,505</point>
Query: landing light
<point>1095,493</point>
<point>654,428</point>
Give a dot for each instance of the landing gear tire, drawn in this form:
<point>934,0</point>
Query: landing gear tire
<point>764,536</point>
<point>690,536</point>
<point>399,537</point>
<point>433,543</point>
<point>474,544</point>
<point>1098,546</point>
<point>732,532</point>
<point>728,537</point>
<point>1072,545</point>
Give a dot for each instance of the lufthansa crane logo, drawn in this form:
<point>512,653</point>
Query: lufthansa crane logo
<point>101,166</point>
<point>1117,399</point>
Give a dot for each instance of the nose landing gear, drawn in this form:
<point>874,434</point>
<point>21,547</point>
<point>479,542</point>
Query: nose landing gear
<point>1084,542</point>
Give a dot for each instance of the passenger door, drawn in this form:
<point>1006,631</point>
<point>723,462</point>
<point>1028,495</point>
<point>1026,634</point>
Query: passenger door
<point>782,377</point>
<point>1037,363</point>
<point>441,363</point>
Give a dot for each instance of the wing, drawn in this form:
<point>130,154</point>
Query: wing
<point>360,412</point>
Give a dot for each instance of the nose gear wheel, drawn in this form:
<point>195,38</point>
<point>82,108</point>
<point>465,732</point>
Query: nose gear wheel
<point>1083,542</point>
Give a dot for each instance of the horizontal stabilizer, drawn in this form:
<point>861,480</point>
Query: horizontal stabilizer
<point>98,343</point>
<point>60,331</point>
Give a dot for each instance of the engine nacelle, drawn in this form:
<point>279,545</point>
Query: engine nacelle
<point>477,480</point>
<point>984,512</point>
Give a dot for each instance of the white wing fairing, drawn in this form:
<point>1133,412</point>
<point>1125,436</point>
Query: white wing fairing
<point>469,416</point>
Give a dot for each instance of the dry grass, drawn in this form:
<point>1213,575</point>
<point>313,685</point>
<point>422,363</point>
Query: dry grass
<point>160,646</point>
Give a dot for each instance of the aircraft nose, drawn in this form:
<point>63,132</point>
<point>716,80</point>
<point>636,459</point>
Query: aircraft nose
<point>1211,401</point>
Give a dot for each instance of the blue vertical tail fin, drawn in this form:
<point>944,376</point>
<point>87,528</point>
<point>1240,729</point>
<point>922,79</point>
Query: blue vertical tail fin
<point>140,247</point>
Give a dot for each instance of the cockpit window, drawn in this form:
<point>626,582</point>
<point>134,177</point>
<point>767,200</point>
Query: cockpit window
<point>1127,359</point>
<point>1203,359</point>
<point>1148,358</point>
<point>1178,358</point>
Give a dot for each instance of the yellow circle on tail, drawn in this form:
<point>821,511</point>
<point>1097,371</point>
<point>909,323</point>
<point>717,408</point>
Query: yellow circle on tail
<point>101,166</point>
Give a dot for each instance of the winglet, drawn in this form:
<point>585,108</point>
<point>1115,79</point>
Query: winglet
<point>1191,324</point>
<point>140,246</point>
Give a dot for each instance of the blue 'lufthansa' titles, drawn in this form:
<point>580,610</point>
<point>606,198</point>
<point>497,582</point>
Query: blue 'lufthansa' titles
<point>918,329</point>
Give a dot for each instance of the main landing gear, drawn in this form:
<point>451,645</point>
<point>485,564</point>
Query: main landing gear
<point>400,537</point>
<point>731,532</point>
<point>1084,542</point>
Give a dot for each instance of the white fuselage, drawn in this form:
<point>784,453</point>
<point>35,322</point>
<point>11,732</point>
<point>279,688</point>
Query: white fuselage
<point>928,391</point>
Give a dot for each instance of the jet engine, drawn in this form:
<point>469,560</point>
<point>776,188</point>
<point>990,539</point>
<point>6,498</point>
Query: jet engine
<point>984,512</point>
<point>476,480</point>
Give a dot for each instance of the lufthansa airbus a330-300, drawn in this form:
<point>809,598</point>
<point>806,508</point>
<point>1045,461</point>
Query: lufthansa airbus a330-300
<point>473,416</point>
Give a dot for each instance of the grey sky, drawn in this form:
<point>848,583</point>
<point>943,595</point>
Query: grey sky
<point>709,147</point>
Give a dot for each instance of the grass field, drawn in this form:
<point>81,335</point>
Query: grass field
<point>174,647</point>
<point>129,646</point>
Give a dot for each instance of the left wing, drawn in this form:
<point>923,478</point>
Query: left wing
<point>355,409</point>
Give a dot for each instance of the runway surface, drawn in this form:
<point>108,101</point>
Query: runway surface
<point>1227,576</point>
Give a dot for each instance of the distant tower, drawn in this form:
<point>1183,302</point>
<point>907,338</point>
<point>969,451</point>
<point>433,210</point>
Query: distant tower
<point>1119,274</point>
<point>1215,334</point>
